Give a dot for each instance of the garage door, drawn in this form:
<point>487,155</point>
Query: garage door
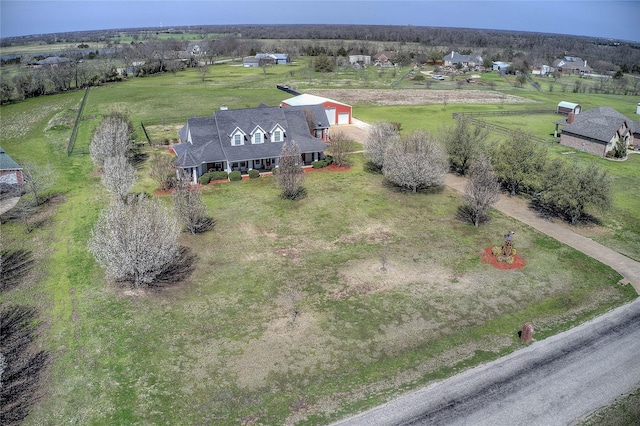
<point>343,118</point>
<point>331,115</point>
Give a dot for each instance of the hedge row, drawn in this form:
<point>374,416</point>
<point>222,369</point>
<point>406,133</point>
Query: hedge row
<point>208,177</point>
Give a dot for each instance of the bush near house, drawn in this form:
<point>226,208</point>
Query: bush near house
<point>235,176</point>
<point>253,174</point>
<point>218,175</point>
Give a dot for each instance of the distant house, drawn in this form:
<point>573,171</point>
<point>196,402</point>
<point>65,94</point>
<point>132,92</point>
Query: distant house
<point>454,58</point>
<point>194,49</point>
<point>10,171</point>
<point>337,112</point>
<point>51,61</point>
<point>597,130</point>
<point>360,59</point>
<point>250,62</point>
<point>502,67</point>
<point>542,70</point>
<point>282,58</point>
<point>261,59</point>
<point>383,59</point>
<point>572,65</point>
<point>249,138</point>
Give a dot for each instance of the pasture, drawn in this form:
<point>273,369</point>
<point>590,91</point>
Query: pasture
<point>288,316</point>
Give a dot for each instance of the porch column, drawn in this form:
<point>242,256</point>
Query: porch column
<point>195,175</point>
<point>228,168</point>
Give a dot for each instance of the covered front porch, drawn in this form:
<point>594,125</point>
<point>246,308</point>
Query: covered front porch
<point>263,165</point>
<point>260,164</point>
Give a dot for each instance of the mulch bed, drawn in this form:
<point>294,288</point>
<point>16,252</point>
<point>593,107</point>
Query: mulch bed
<point>330,167</point>
<point>489,258</point>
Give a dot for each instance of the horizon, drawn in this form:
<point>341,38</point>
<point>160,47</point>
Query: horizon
<point>61,16</point>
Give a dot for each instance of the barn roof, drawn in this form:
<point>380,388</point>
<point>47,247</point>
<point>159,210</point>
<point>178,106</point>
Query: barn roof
<point>565,104</point>
<point>307,99</point>
<point>6,162</point>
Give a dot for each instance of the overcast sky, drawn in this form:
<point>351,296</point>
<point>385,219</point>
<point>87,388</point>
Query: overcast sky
<point>603,18</point>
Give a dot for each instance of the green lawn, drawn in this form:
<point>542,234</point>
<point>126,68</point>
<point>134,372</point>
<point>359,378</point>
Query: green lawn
<point>221,348</point>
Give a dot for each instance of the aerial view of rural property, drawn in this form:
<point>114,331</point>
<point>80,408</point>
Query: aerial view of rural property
<point>319,213</point>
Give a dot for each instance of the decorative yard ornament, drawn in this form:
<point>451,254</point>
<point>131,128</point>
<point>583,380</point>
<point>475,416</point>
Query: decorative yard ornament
<point>526,335</point>
<point>507,252</point>
<point>507,248</point>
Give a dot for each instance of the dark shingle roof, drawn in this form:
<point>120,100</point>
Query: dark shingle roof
<point>598,123</point>
<point>6,162</point>
<point>208,139</point>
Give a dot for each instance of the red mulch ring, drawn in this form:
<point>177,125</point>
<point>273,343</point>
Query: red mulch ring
<point>488,257</point>
<point>162,192</point>
<point>330,167</point>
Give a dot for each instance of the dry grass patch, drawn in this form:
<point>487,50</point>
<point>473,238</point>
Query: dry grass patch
<point>382,97</point>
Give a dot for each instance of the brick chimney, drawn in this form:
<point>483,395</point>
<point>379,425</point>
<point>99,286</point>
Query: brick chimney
<point>570,118</point>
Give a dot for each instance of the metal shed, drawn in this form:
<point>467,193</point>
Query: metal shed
<point>567,108</point>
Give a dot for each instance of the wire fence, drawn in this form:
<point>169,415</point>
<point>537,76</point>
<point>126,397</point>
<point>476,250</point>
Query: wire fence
<point>74,132</point>
<point>502,129</point>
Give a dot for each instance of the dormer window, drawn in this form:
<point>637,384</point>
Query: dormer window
<point>277,133</point>
<point>237,139</point>
<point>257,137</point>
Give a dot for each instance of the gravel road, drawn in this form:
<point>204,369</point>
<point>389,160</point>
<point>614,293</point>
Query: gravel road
<point>551,382</point>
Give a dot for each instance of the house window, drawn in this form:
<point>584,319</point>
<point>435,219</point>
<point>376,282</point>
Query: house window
<point>237,139</point>
<point>257,137</point>
<point>277,136</point>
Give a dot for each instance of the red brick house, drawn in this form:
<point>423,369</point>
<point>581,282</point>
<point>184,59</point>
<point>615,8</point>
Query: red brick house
<point>10,171</point>
<point>597,130</point>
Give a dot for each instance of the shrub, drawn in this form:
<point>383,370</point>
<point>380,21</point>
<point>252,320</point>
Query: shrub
<point>235,176</point>
<point>253,173</point>
<point>204,179</point>
<point>218,175</point>
<point>318,164</point>
<point>418,77</point>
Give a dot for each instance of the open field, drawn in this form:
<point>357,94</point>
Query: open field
<point>221,347</point>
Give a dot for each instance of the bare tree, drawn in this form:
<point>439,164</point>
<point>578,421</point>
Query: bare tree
<point>339,148</point>
<point>112,138</point>
<point>21,363</point>
<point>135,241</point>
<point>481,191</point>
<point>118,176</point>
<point>381,135</point>
<point>416,161</point>
<point>464,142</point>
<point>290,176</point>
<point>37,179</point>
<point>203,70</point>
<point>189,207</point>
<point>161,170</point>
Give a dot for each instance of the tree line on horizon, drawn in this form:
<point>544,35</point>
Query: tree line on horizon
<point>158,54</point>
